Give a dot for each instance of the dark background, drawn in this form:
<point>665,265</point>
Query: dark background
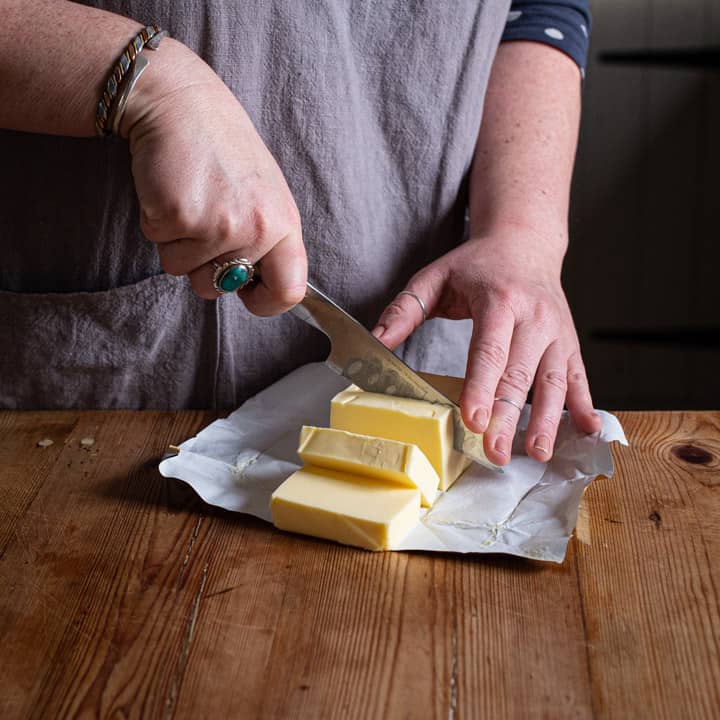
<point>642,270</point>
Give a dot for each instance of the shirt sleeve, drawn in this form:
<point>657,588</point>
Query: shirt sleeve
<point>564,24</point>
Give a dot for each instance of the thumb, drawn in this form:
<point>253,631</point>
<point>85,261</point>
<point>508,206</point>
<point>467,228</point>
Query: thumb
<point>410,308</point>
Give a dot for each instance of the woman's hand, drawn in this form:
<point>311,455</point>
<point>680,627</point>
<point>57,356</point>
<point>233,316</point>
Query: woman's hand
<point>523,337</point>
<point>208,187</point>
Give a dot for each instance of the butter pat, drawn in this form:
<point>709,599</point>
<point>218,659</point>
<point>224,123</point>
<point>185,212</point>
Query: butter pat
<point>388,460</point>
<point>420,423</point>
<point>347,508</point>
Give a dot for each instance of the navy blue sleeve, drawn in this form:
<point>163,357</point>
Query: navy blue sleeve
<point>564,24</point>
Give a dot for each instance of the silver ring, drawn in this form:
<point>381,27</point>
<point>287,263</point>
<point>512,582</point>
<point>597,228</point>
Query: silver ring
<point>232,275</point>
<point>510,401</point>
<point>419,299</point>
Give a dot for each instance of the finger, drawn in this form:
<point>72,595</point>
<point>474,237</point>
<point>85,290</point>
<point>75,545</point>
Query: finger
<point>405,313</point>
<point>182,256</point>
<point>283,281</point>
<point>399,320</point>
<point>487,358</point>
<point>167,226</point>
<point>201,278</point>
<point>579,401</point>
<point>526,349</point>
<point>229,236</point>
<point>549,394</point>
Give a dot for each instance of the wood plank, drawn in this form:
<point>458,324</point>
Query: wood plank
<point>24,464</point>
<point>512,663</point>
<point>226,663</point>
<point>127,595</point>
<point>316,630</point>
<point>650,576</point>
<point>98,601</point>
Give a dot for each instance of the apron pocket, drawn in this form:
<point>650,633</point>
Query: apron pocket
<point>152,344</point>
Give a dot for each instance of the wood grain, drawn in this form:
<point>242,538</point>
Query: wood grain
<point>126,595</point>
<point>649,579</point>
<point>96,603</point>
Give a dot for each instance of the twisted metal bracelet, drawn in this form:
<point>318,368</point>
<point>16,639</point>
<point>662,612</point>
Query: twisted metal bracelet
<point>136,70</point>
<point>124,63</point>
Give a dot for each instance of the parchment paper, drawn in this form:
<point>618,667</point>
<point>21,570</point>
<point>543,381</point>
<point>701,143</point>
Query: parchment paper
<point>530,510</point>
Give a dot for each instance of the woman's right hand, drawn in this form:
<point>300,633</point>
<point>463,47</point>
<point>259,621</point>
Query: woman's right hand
<point>208,187</point>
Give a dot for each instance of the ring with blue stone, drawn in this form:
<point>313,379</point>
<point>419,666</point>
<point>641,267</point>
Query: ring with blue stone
<point>232,275</point>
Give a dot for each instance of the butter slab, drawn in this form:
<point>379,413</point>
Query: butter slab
<point>427,425</point>
<point>389,460</point>
<point>349,509</point>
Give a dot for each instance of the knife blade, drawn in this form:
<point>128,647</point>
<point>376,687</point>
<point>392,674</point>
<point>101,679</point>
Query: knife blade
<point>361,358</point>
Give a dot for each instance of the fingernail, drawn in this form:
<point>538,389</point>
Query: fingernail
<point>480,418</point>
<point>379,331</point>
<point>542,443</point>
<point>502,445</point>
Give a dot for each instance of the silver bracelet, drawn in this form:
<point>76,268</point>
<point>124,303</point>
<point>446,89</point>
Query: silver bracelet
<point>137,69</point>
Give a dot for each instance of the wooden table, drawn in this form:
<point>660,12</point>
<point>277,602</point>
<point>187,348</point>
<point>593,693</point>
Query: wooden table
<point>123,595</point>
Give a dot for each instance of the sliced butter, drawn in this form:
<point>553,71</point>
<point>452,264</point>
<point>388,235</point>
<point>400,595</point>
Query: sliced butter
<point>420,423</point>
<point>350,509</point>
<point>375,457</point>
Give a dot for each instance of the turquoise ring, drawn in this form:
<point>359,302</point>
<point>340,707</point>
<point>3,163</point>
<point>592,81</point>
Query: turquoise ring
<point>232,275</point>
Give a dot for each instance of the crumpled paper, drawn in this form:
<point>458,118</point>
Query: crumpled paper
<point>529,510</point>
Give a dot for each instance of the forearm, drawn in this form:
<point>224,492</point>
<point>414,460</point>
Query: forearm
<point>55,58</point>
<point>526,148</point>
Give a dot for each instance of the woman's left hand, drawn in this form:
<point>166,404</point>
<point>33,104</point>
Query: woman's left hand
<point>523,337</point>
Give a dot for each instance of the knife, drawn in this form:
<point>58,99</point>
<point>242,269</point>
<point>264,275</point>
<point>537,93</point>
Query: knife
<point>361,358</point>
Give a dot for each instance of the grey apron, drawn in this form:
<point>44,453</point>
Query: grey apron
<point>372,110</point>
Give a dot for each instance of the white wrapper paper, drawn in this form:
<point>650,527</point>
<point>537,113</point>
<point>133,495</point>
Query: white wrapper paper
<point>529,510</point>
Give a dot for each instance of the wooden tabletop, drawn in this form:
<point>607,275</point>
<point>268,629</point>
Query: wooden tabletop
<point>124,595</point>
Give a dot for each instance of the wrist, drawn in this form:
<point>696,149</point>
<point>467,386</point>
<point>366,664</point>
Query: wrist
<point>523,244</point>
<point>172,67</point>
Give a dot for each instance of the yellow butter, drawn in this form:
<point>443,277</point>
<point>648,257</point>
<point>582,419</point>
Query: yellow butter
<point>389,460</point>
<point>350,509</point>
<point>420,423</point>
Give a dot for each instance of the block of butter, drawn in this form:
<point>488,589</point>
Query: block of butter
<point>376,457</point>
<point>350,509</point>
<point>427,425</point>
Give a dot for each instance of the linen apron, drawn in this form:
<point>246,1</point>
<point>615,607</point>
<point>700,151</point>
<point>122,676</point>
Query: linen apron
<point>372,111</point>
